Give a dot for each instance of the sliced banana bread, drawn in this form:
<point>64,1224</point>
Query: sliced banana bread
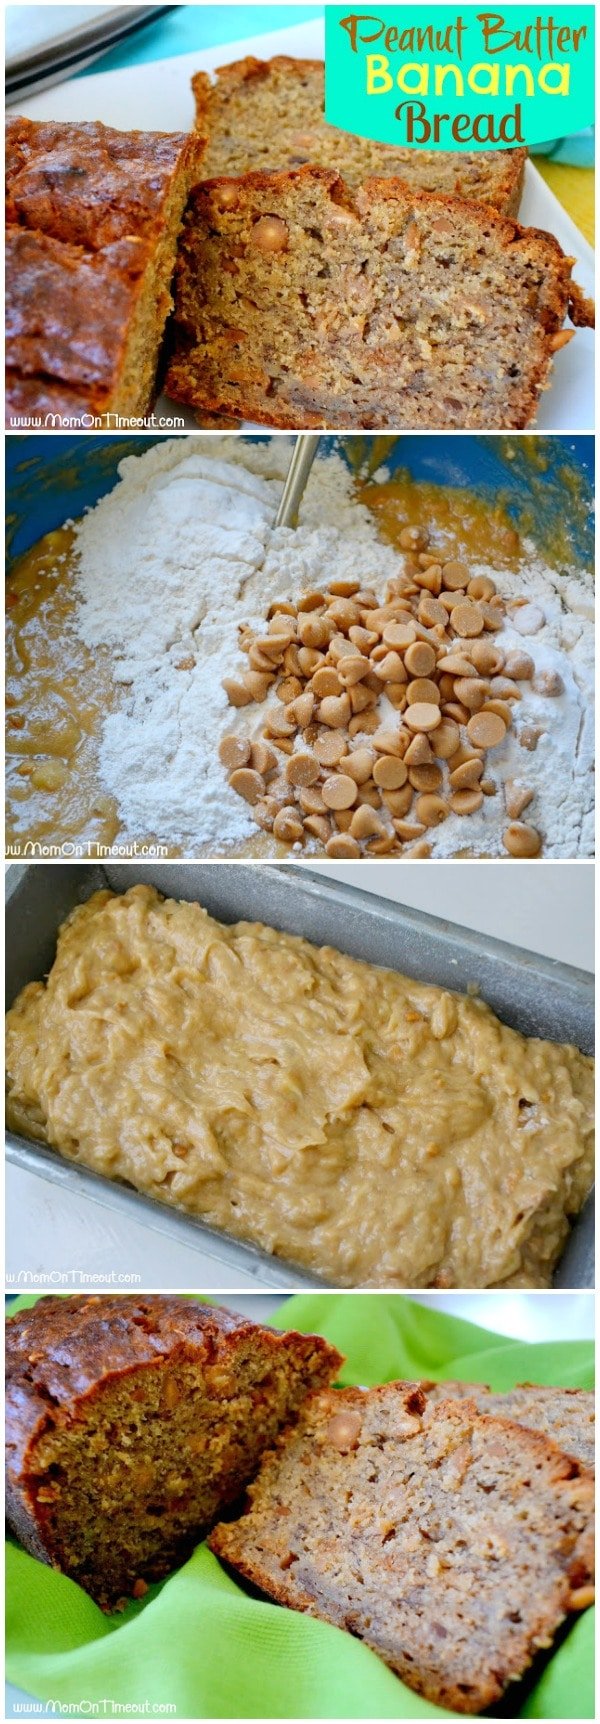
<point>565,1415</point>
<point>93,217</point>
<point>269,115</point>
<point>132,1422</point>
<point>296,306</point>
<point>453,1544</point>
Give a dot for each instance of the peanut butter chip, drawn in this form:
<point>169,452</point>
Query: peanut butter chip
<point>419,658</point>
<point>263,758</point>
<point>270,234</point>
<point>236,692</point>
<point>343,1431</point>
<point>234,751</point>
<point>419,751</point>
<point>326,681</point>
<point>302,769</point>
<point>517,798</point>
<point>467,775</point>
<point>454,576</point>
<point>426,777</point>
<point>279,724</point>
<point>248,784</point>
<point>481,587</point>
<point>467,619</point>
<point>344,846</point>
<point>486,729</point>
<point>521,840</point>
<point>335,710</point>
<point>339,791</point>
<point>359,765</point>
<point>399,635</point>
<point>431,810</point>
<point>288,827</point>
<point>423,689</point>
<point>466,801</point>
<point>424,716</point>
<point>390,772</point>
<point>330,748</point>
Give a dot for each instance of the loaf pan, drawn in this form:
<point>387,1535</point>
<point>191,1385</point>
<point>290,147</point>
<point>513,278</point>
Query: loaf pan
<point>538,996</point>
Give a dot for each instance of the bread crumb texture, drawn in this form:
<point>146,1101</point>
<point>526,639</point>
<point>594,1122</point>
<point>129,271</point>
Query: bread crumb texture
<point>299,304</point>
<point>452,1544</point>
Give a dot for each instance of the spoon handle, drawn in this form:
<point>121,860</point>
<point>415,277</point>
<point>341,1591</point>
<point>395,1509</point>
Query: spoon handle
<point>303,454</point>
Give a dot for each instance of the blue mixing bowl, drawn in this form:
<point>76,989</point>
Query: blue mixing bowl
<point>51,479</point>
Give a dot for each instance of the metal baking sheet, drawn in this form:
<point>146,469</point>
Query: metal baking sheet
<point>538,996</point>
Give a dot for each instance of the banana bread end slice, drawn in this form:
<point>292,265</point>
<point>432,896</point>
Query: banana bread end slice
<point>453,1545</point>
<point>93,217</point>
<point>132,1422</point>
<point>298,305</point>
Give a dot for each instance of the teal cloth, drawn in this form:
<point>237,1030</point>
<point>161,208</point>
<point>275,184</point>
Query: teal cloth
<point>200,1645</point>
<point>574,152</point>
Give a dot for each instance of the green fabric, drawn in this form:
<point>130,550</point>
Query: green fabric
<point>200,1644</point>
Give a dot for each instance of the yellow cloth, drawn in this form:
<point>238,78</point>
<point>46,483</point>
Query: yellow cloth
<point>574,188</point>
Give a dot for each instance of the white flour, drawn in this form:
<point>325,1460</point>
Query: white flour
<point>182,551</point>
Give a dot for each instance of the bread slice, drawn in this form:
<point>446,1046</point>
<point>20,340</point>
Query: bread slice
<point>453,1544</point>
<point>299,307</point>
<point>269,115</point>
<point>565,1415</point>
<point>132,1422</point>
<point>93,217</point>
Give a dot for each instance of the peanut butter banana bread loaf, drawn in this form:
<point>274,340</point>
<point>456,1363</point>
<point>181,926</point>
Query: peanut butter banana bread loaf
<point>133,1421</point>
<point>565,1415</point>
<point>299,306</point>
<point>453,1545</point>
<point>93,217</point>
<point>269,115</point>
<point>376,1130</point>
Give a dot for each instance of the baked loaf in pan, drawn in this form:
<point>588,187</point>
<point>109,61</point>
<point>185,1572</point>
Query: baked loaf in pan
<point>132,1422</point>
<point>453,1545</point>
<point>565,1415</point>
<point>93,217</point>
<point>269,115</point>
<point>375,1130</point>
<point>299,305</point>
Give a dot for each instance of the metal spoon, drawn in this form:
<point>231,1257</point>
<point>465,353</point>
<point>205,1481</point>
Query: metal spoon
<point>303,454</point>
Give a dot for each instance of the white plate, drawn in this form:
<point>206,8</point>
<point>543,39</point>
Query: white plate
<point>157,97</point>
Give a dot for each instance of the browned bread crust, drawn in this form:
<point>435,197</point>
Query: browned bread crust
<point>408,1528</point>
<point>92,222</point>
<point>301,307</point>
<point>269,115</point>
<point>131,1422</point>
<point>567,1416</point>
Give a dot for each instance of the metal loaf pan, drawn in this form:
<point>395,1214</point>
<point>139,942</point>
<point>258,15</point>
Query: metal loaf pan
<point>536,995</point>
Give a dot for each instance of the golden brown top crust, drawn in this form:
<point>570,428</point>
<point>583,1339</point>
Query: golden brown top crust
<point>88,184</point>
<point>67,316</point>
<point>86,207</point>
<point>61,1349</point>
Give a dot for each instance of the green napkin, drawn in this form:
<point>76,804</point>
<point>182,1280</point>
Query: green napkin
<point>200,1647</point>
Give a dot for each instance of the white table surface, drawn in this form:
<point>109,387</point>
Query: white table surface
<point>64,1240</point>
